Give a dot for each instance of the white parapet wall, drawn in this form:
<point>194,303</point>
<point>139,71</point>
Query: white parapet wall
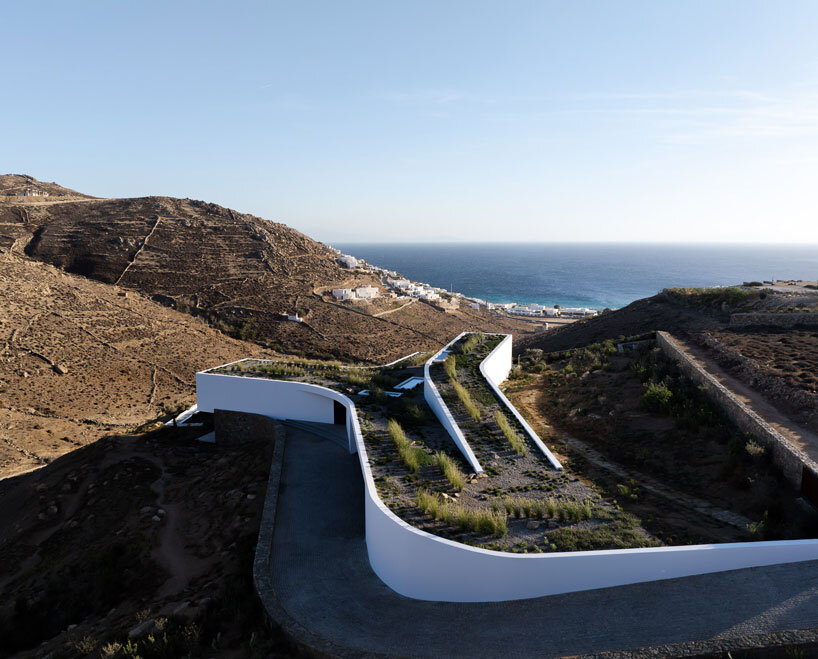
<point>441,410</point>
<point>419,565</point>
<point>278,399</point>
<point>495,369</point>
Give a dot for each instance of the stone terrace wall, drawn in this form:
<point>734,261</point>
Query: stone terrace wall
<point>791,460</point>
<point>239,427</point>
<point>774,319</point>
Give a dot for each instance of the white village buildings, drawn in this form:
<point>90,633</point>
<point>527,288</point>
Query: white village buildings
<point>360,293</point>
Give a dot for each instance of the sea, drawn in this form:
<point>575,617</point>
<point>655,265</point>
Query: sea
<point>594,275</point>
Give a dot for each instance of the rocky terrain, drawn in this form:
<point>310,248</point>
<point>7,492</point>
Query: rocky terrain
<point>239,272</point>
<point>80,360</point>
<point>12,184</point>
<point>680,311</point>
<point>137,545</point>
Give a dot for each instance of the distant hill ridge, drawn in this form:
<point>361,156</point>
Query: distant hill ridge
<point>241,272</point>
<point>13,185</point>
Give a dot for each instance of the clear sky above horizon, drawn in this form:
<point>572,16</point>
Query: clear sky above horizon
<point>437,120</point>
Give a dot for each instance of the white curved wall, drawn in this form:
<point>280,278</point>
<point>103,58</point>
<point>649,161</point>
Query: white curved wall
<point>278,399</point>
<point>422,566</point>
<point>495,368</point>
<point>435,401</point>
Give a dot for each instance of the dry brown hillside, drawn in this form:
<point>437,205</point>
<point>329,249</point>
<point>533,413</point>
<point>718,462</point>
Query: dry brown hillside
<point>240,272</point>
<point>80,360</point>
<point>13,184</point>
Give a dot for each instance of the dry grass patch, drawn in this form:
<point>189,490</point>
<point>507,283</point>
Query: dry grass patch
<point>484,522</point>
<point>517,442</point>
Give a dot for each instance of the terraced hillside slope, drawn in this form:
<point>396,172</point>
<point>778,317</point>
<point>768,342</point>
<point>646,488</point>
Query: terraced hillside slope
<point>240,272</point>
<point>80,360</point>
<point>680,311</point>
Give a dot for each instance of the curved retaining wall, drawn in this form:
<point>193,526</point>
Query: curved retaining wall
<point>423,566</point>
<point>495,368</point>
<point>435,401</point>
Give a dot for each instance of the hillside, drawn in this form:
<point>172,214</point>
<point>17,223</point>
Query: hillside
<point>680,311</point>
<point>240,272</point>
<point>81,360</point>
<point>11,185</point>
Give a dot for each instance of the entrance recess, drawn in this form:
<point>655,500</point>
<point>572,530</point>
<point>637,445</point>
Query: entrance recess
<point>339,413</point>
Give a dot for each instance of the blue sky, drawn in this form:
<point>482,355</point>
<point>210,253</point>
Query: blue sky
<point>460,120</point>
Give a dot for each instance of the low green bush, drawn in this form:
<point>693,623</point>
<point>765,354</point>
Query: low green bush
<point>657,397</point>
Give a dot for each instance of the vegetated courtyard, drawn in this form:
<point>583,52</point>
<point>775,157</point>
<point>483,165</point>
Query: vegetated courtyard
<point>632,425</point>
<point>649,459</point>
<point>520,503</point>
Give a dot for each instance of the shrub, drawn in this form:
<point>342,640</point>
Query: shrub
<point>450,470</point>
<point>657,397</point>
<point>357,377</point>
<point>511,435</point>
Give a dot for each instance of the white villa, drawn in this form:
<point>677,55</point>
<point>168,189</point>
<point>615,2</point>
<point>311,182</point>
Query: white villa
<point>366,292</point>
<point>360,293</point>
<point>32,192</point>
<point>348,261</point>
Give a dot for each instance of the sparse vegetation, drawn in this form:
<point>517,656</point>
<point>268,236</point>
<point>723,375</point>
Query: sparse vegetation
<point>732,295</point>
<point>514,439</point>
<point>471,407</point>
<point>450,366</point>
<point>483,522</point>
<point>411,456</point>
<point>565,511</point>
<point>471,342</point>
<point>450,470</point>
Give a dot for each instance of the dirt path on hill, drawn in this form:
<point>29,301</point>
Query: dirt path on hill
<point>388,311</point>
<point>797,435</point>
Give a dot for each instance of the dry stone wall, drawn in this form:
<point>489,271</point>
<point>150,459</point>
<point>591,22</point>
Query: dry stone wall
<point>240,427</point>
<point>791,460</point>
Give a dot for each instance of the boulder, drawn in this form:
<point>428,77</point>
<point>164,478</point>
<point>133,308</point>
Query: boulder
<point>142,629</point>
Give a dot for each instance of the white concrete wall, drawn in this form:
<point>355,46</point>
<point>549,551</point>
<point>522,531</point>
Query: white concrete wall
<point>495,368</point>
<point>497,365</point>
<point>435,401</point>
<point>278,399</point>
<point>422,566</point>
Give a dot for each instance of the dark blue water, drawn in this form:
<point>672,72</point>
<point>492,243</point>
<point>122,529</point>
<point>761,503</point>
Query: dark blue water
<point>592,275</point>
